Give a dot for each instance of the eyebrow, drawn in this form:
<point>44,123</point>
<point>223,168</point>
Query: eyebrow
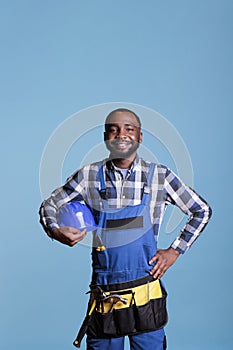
<point>115,124</point>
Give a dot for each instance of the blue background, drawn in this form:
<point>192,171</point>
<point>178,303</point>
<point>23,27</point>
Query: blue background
<point>58,57</point>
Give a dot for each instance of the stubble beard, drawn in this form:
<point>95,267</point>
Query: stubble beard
<point>118,154</point>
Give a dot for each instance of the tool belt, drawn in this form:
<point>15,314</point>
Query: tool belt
<point>126,308</point>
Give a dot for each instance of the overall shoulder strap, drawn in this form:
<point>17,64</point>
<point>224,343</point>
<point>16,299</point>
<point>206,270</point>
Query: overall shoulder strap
<point>147,187</point>
<point>150,174</point>
<point>102,181</point>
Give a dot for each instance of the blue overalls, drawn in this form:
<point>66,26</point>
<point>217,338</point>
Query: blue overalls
<point>128,236</point>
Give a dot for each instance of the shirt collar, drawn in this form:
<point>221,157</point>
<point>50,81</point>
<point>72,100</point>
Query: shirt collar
<point>136,165</point>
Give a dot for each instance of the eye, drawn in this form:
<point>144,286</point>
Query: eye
<point>130,129</point>
<point>112,129</point>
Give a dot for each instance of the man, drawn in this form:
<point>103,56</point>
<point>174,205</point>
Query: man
<point>127,196</point>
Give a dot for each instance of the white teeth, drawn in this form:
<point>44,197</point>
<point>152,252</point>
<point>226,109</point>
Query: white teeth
<point>122,143</point>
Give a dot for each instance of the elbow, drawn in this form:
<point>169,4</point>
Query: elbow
<point>205,213</point>
<point>210,212</point>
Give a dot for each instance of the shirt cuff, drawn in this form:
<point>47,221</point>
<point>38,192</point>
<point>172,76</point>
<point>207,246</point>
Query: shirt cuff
<point>50,229</point>
<point>53,225</point>
<point>180,245</point>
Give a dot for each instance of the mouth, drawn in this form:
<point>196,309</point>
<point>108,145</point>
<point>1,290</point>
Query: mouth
<point>121,144</point>
<point>122,147</point>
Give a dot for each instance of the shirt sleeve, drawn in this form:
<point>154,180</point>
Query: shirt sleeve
<point>190,203</point>
<point>73,189</point>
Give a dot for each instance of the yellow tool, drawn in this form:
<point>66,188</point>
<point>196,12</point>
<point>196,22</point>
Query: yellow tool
<point>100,247</point>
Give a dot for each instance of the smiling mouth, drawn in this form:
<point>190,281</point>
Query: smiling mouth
<point>121,144</point>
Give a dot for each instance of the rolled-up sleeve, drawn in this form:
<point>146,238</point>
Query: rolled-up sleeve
<point>190,203</point>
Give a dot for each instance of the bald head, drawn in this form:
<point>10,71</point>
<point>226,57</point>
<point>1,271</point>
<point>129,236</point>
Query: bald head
<point>112,116</point>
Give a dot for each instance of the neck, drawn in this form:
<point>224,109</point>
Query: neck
<point>122,162</point>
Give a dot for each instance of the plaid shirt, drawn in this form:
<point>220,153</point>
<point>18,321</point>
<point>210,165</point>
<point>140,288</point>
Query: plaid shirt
<point>166,188</point>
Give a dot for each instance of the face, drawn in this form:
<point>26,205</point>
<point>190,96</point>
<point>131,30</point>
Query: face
<point>123,135</point>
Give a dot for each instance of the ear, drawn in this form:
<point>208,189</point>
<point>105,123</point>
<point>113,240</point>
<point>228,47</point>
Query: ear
<point>140,137</point>
<point>105,136</point>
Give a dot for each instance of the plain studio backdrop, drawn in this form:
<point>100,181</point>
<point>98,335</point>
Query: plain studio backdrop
<point>61,57</point>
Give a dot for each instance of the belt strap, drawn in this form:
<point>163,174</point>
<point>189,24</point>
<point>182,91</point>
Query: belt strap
<point>124,285</point>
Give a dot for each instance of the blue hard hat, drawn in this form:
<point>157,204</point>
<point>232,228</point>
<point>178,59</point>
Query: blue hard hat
<point>76,214</point>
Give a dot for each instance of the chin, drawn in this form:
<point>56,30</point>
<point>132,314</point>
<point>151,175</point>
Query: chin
<point>123,154</point>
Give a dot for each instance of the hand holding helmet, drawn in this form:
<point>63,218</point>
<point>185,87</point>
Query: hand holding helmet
<point>68,235</point>
<point>75,220</point>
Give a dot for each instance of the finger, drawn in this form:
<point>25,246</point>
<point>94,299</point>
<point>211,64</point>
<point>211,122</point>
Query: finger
<point>73,230</point>
<point>158,273</point>
<point>72,242</point>
<point>79,233</point>
<point>77,237</point>
<point>155,269</point>
<point>68,229</point>
<point>154,258</point>
<point>72,233</point>
<point>158,267</point>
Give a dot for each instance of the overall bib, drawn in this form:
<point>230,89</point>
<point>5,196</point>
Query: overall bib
<point>123,244</point>
<point>128,236</point>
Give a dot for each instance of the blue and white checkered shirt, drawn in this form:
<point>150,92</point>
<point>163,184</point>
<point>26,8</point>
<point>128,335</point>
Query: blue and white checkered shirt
<point>167,188</point>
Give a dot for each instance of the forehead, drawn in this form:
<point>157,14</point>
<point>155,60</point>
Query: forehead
<point>119,118</point>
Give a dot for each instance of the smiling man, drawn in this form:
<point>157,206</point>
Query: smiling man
<point>127,196</point>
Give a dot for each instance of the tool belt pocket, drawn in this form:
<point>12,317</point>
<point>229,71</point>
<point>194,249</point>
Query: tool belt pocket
<point>125,320</point>
<point>144,317</point>
<point>108,324</point>
<point>152,315</point>
<point>112,324</point>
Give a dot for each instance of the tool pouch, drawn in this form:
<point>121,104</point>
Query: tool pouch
<point>152,315</point>
<point>130,320</point>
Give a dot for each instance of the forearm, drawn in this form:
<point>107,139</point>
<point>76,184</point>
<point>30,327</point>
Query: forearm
<point>48,217</point>
<point>193,228</point>
<point>191,204</point>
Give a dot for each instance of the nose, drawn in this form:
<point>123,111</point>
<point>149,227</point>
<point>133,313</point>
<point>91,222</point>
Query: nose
<point>121,133</point>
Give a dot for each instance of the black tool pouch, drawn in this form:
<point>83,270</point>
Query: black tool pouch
<point>152,315</point>
<point>130,320</point>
